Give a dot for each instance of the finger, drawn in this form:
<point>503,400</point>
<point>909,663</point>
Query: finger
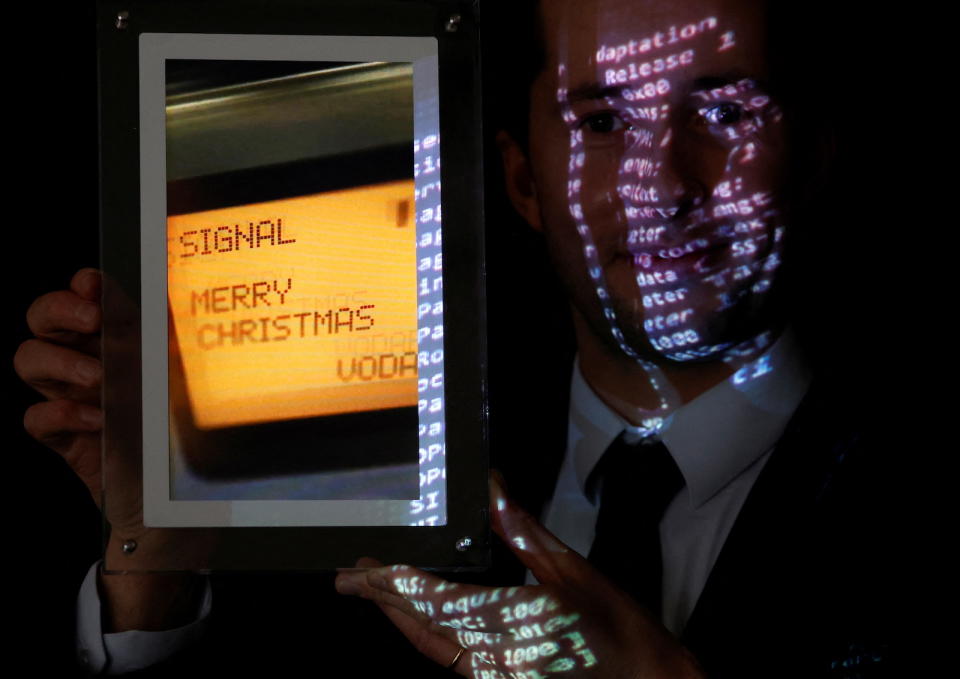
<point>63,316</point>
<point>548,558</point>
<point>431,641</point>
<point>51,421</point>
<point>403,587</point>
<point>374,584</point>
<point>471,615</point>
<point>434,640</point>
<point>355,583</point>
<point>58,372</point>
<point>87,284</point>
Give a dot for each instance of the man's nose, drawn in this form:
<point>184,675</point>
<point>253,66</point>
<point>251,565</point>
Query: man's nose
<point>657,179</point>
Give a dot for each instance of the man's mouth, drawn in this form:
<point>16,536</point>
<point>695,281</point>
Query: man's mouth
<point>696,256</point>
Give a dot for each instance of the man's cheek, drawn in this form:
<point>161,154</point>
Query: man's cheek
<point>597,192</point>
<point>565,244</point>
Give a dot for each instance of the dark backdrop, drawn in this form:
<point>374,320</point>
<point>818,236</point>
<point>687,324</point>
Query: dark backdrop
<point>53,198</point>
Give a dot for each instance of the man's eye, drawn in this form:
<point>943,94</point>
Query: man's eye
<point>603,123</point>
<point>722,114</point>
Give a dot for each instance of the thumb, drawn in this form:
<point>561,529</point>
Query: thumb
<point>549,559</point>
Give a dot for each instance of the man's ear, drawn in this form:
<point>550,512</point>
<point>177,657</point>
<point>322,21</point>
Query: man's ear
<point>519,180</point>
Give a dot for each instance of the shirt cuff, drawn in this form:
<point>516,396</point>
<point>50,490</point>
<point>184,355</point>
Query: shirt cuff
<point>133,650</point>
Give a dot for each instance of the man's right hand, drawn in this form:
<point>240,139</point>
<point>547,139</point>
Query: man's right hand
<point>62,362</point>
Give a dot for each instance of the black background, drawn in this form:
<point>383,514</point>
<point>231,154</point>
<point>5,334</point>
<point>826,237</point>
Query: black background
<point>51,195</point>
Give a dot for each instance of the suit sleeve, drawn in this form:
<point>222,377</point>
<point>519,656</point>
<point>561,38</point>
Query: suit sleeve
<point>123,652</point>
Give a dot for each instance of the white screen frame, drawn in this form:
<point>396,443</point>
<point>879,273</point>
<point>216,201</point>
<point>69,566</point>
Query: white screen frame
<point>159,510</point>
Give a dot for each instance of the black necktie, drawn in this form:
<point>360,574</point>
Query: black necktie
<point>638,482</point>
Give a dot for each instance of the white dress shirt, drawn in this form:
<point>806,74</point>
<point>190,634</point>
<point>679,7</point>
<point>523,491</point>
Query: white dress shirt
<point>720,441</point>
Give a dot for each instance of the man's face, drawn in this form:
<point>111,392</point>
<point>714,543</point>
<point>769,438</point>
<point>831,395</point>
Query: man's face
<point>656,156</point>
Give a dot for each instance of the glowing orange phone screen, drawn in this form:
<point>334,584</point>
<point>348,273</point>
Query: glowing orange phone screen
<point>298,307</point>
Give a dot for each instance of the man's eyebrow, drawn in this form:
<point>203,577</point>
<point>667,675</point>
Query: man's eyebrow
<point>712,82</point>
<point>592,91</point>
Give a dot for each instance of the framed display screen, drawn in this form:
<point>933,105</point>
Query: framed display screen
<point>293,338</point>
<point>341,283</point>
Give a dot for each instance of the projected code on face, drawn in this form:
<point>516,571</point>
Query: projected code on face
<point>298,307</point>
<point>671,185</point>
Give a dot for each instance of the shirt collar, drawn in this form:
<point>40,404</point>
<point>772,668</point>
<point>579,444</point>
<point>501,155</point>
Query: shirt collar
<point>714,437</point>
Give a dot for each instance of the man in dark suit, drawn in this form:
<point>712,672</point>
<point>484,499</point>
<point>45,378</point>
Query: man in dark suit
<point>655,169</point>
<point>661,165</point>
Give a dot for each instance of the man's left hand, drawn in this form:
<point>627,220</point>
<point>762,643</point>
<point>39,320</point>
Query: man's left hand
<point>576,623</point>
